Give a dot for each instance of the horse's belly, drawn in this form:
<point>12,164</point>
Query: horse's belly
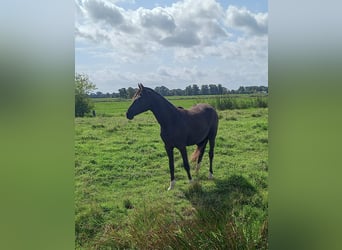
<point>196,137</point>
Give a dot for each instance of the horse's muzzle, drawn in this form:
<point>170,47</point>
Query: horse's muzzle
<point>129,116</point>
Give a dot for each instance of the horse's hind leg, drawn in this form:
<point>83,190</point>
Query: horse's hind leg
<point>211,155</point>
<point>201,147</point>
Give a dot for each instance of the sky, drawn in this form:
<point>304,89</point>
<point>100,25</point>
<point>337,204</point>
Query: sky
<point>120,43</point>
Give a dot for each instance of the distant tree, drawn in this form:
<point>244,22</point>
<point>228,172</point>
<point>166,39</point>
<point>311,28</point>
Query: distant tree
<point>195,89</point>
<point>225,91</point>
<point>220,89</point>
<point>162,90</point>
<point>123,93</point>
<point>241,90</point>
<point>99,94</point>
<point>205,90</point>
<point>250,89</point>
<point>83,87</point>
<point>176,92</point>
<point>213,89</point>
<point>188,90</point>
<point>115,95</point>
<point>130,92</point>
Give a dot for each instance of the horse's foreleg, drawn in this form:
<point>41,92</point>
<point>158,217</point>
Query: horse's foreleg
<point>185,161</point>
<point>169,151</point>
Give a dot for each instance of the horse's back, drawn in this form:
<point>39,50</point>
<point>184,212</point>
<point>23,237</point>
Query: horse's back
<point>202,121</point>
<point>204,111</point>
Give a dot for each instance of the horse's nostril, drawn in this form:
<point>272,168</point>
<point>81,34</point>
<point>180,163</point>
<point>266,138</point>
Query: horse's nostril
<point>129,116</point>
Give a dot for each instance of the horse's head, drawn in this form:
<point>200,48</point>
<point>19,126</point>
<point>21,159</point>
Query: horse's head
<point>141,103</point>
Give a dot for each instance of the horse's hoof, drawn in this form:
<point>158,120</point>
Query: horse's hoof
<point>211,176</point>
<point>172,185</point>
<point>191,181</point>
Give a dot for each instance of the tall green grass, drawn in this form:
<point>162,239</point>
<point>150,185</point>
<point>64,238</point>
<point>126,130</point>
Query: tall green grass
<point>234,102</point>
<point>222,102</point>
<point>213,224</point>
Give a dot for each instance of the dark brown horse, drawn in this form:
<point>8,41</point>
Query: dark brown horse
<point>179,127</point>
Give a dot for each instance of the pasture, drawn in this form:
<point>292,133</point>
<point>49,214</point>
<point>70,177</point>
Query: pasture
<point>122,176</point>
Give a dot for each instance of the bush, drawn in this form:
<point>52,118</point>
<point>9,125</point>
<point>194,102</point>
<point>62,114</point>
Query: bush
<point>83,87</point>
<point>261,102</point>
<point>83,105</point>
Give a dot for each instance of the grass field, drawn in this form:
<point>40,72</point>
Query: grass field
<point>122,176</point>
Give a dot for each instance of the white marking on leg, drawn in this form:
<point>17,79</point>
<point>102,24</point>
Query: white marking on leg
<point>172,185</point>
<point>211,176</point>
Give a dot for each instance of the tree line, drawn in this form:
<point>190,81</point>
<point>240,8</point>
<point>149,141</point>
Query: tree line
<point>190,90</point>
<point>84,89</point>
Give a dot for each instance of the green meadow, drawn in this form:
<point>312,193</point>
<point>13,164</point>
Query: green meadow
<point>122,176</point>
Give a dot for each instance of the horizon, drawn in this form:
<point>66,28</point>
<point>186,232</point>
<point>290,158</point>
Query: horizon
<point>183,89</point>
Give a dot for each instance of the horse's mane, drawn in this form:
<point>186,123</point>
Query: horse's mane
<point>136,94</point>
<point>149,90</point>
<point>140,90</point>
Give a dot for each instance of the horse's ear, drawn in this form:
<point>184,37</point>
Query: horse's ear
<point>140,86</point>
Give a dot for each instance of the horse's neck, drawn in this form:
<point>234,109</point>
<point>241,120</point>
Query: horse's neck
<point>164,111</point>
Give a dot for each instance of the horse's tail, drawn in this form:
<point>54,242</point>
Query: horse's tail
<point>195,154</point>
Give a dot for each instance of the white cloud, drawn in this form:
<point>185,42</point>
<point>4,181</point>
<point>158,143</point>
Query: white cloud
<point>184,24</point>
<point>189,41</point>
<point>196,10</point>
<point>253,23</point>
<point>157,18</point>
<point>181,38</point>
<point>103,11</point>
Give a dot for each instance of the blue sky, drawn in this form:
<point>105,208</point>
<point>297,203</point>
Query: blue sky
<point>256,5</point>
<point>120,43</point>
